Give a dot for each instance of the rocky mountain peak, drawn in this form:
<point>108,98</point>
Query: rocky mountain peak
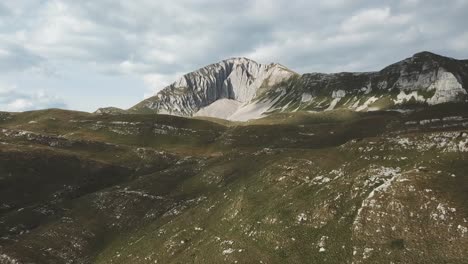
<point>425,54</point>
<point>239,60</point>
<point>238,79</point>
<point>244,61</point>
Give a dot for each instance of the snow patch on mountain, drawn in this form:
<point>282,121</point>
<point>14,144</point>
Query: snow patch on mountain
<point>333,104</point>
<point>306,97</point>
<point>402,97</point>
<point>338,94</point>
<point>365,105</point>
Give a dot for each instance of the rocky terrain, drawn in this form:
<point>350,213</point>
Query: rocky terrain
<point>332,187</point>
<point>240,89</point>
<point>330,168</point>
<point>237,80</point>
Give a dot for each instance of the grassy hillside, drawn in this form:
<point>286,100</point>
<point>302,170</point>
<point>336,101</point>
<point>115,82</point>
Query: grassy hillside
<point>330,187</point>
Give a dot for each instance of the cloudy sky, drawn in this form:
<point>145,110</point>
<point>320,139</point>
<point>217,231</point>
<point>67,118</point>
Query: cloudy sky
<point>91,53</point>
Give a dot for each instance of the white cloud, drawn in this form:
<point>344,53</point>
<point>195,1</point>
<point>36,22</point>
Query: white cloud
<point>460,42</point>
<point>19,105</point>
<point>11,99</point>
<point>157,41</point>
<point>14,57</point>
<point>4,53</point>
<point>373,19</point>
<point>156,82</point>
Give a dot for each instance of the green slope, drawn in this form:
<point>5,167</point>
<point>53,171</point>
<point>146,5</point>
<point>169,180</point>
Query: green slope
<point>332,187</point>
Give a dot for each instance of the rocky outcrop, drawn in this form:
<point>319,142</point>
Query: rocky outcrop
<point>110,111</point>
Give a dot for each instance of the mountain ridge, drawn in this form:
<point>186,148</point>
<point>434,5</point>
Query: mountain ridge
<point>251,90</point>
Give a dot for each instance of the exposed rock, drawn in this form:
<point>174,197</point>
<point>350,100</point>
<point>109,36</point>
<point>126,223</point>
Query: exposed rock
<point>110,111</point>
<point>250,90</point>
<point>238,79</point>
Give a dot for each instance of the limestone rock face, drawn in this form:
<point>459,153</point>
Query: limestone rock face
<point>447,88</point>
<point>236,79</point>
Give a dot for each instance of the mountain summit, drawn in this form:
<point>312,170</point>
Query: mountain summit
<point>242,89</point>
<point>228,84</point>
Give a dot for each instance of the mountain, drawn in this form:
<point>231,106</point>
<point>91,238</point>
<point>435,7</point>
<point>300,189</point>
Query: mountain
<point>425,79</point>
<point>322,172</point>
<point>218,90</point>
<point>241,89</point>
